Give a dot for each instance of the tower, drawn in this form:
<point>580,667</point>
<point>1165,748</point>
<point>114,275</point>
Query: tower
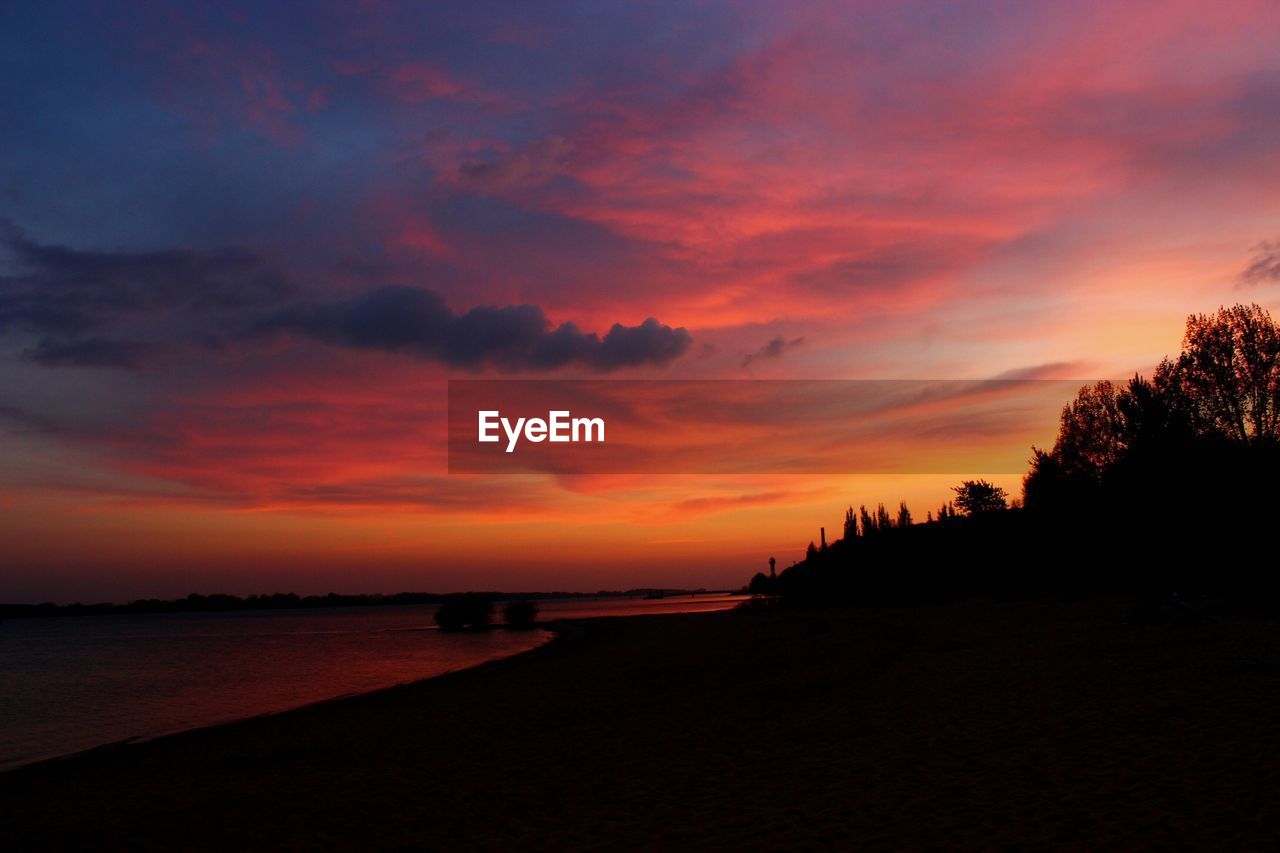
<point>772,563</point>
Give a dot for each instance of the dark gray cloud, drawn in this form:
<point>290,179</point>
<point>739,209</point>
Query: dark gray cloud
<point>773,349</point>
<point>417,322</point>
<point>93,352</point>
<point>61,291</point>
<point>125,309</point>
<point>1265,265</point>
<point>121,309</point>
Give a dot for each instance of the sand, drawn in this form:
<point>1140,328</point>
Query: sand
<point>978,724</point>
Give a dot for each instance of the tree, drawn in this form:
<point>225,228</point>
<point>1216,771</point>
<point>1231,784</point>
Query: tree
<point>1048,485</point>
<point>1227,378</point>
<point>1152,416</point>
<point>463,610</point>
<point>868,524</point>
<point>904,515</point>
<point>1091,433</point>
<point>520,614</point>
<point>1099,430</point>
<point>975,497</point>
<point>1224,385</point>
<point>850,524</point>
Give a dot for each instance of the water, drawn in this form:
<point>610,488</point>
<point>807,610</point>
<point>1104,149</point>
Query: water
<point>582,608</point>
<point>73,683</point>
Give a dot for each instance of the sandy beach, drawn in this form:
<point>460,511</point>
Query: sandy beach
<point>976,724</point>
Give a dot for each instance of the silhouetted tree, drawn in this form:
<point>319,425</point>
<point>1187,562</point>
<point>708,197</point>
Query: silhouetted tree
<point>1051,484</point>
<point>465,610</point>
<point>1122,445</point>
<point>520,614</point>
<point>1091,433</point>
<point>1228,374</point>
<point>904,515</point>
<point>978,496</point>
<point>850,525</point>
<point>1153,417</point>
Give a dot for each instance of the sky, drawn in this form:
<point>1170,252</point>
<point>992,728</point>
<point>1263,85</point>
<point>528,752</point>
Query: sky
<point>243,248</point>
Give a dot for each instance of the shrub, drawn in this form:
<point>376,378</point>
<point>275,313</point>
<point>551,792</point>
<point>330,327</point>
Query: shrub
<point>521,614</point>
<point>457,613</point>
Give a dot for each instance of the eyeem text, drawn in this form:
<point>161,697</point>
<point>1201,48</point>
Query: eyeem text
<point>559,426</point>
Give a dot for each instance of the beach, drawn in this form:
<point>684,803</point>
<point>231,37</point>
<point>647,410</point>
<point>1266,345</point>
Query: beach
<point>973,724</point>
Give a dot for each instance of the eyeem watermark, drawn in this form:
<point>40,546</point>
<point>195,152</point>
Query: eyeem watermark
<point>559,426</point>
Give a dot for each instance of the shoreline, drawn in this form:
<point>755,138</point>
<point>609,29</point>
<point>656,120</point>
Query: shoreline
<point>978,723</point>
<point>554,629</point>
<point>67,610</point>
<point>245,695</point>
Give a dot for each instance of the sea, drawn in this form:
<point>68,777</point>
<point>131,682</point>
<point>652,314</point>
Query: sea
<point>69,684</point>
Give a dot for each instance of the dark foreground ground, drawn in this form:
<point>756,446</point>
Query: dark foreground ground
<point>970,725</point>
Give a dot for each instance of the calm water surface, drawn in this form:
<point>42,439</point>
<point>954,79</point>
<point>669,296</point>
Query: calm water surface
<point>73,683</point>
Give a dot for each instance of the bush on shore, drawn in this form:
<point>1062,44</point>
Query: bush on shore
<point>473,611</point>
<point>520,614</point>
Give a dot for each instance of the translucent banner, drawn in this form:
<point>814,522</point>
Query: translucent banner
<point>751,426</point>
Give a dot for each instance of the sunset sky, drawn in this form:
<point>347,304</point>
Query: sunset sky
<point>244,246</point>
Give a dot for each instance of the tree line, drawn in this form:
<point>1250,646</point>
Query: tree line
<point>1165,482</point>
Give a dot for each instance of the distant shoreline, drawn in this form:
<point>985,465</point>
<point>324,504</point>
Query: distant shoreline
<point>226,603</point>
